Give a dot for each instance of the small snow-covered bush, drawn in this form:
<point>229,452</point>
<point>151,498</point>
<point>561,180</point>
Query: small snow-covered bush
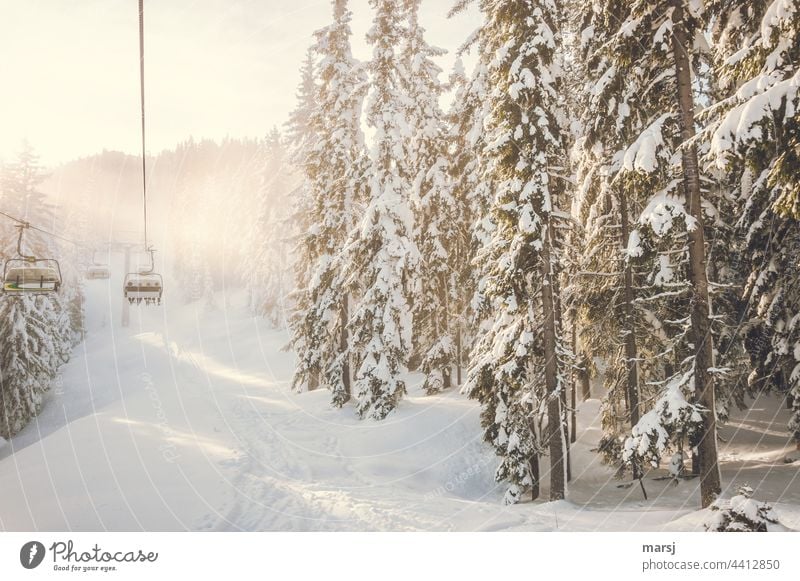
<point>742,514</point>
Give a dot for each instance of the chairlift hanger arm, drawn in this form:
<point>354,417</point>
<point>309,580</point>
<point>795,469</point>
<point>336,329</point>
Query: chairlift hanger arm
<point>21,254</point>
<point>152,268</point>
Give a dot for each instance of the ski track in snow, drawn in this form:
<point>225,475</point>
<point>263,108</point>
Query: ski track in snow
<point>185,421</point>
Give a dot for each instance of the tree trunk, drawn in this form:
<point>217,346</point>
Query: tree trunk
<point>573,434</point>
<point>710,486</point>
<point>586,380</point>
<point>631,352</point>
<point>459,355</point>
<point>344,315</point>
<point>535,473</point>
<point>559,329</point>
<point>669,370</point>
<point>565,431</point>
<point>444,316</point>
<point>555,426</point>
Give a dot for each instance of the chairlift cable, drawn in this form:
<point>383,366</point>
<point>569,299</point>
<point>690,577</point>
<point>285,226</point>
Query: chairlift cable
<point>141,87</point>
<point>146,285</point>
<point>27,224</point>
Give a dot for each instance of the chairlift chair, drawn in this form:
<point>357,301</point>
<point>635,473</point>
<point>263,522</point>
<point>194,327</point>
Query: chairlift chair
<point>38,276</point>
<point>97,271</point>
<point>143,287</point>
<point>29,274</point>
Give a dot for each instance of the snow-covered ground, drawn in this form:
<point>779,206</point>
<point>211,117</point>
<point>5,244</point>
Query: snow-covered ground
<point>184,420</point>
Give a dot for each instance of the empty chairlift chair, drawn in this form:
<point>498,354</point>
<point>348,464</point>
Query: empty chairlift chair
<point>98,268</point>
<point>34,277</point>
<point>28,274</point>
<point>97,271</point>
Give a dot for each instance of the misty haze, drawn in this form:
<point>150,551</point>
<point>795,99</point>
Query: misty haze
<point>400,265</point>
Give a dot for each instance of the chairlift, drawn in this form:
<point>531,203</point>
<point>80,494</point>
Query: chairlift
<point>28,274</point>
<point>145,286</point>
<point>97,270</point>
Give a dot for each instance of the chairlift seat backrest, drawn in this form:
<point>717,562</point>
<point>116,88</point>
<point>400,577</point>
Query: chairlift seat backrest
<point>31,278</point>
<point>34,273</point>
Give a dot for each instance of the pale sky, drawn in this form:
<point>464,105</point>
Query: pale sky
<point>69,77</point>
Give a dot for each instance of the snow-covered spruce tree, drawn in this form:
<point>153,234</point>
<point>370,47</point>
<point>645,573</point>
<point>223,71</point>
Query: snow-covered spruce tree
<point>515,370</point>
<point>299,128</point>
<point>686,35</point>
<point>439,216</point>
<point>36,342</point>
<point>655,250</point>
<point>474,194</point>
<point>194,187</point>
<point>184,255</point>
<point>607,325</point>
<point>742,514</point>
<point>75,259</point>
<point>217,191</point>
<point>567,237</point>
<point>754,131</point>
<point>671,228</point>
<point>334,165</point>
<point>190,236</point>
<point>381,255</point>
<point>301,138</point>
<point>625,297</point>
<point>266,274</point>
<point>36,332</point>
<point>204,245</point>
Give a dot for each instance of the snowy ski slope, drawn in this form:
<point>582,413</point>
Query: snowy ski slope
<point>184,420</point>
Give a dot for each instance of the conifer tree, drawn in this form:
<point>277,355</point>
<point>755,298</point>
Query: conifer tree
<point>685,34</point>
<point>473,193</point>
<point>438,214</point>
<point>625,292</point>
<point>672,226</point>
<point>333,163</point>
<point>77,257</point>
<point>37,337</point>
<point>381,255</point>
<point>303,323</point>
<point>267,270</point>
<point>516,370</point>
<point>754,134</point>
